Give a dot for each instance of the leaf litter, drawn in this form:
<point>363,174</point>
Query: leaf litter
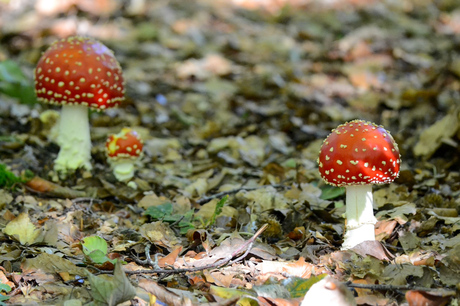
<point>233,99</point>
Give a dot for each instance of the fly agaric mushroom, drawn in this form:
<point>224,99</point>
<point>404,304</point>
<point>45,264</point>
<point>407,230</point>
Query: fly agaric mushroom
<point>123,150</point>
<point>77,72</point>
<point>356,155</point>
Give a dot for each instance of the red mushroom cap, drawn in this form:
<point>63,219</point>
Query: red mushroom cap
<point>79,70</point>
<point>357,153</point>
<point>126,144</point>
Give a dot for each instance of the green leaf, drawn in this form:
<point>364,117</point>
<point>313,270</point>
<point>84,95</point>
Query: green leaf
<point>15,84</point>
<point>3,298</point>
<point>5,287</point>
<point>96,249</point>
<point>290,163</point>
<point>228,293</point>
<point>10,72</point>
<point>185,224</point>
<point>331,192</point>
<point>163,212</point>
<point>98,257</point>
<point>111,290</point>
<point>7,178</point>
<point>94,243</point>
<point>298,286</point>
<point>159,212</point>
<point>217,210</point>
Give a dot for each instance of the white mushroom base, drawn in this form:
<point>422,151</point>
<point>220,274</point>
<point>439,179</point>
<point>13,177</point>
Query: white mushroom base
<point>360,216</point>
<point>74,139</point>
<point>123,169</point>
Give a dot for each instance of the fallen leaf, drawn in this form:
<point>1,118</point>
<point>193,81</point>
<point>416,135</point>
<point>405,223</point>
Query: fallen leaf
<point>268,301</point>
<point>48,188</point>
<point>22,229</point>
<point>396,274</point>
<point>373,248</point>
<point>165,295</point>
<point>159,233</point>
<point>111,290</point>
<point>51,263</point>
<point>169,259</point>
<point>384,229</point>
<point>299,268</point>
<point>428,298</point>
<point>432,137</point>
<point>5,280</point>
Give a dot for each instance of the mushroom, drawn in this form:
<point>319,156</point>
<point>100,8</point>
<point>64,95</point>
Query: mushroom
<point>123,150</point>
<point>77,72</point>
<point>356,155</point>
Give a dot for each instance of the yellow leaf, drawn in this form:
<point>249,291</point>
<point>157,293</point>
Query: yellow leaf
<point>22,229</point>
<point>227,293</point>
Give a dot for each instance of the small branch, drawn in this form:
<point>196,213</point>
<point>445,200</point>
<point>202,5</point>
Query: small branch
<point>388,287</point>
<point>177,221</point>
<point>218,264</point>
<point>148,259</point>
<point>233,191</point>
<point>91,200</point>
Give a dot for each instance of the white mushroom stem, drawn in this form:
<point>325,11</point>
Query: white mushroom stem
<point>123,169</point>
<point>74,139</point>
<point>360,216</point>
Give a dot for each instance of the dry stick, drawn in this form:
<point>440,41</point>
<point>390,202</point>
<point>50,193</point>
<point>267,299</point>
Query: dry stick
<point>91,200</point>
<point>148,260</point>
<point>389,287</point>
<point>220,263</point>
<point>223,193</point>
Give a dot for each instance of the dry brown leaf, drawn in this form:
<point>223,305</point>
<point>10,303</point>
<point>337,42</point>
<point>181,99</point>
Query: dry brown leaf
<point>151,199</point>
<point>428,298</point>
<point>99,7</point>
<point>51,263</point>
<point>268,301</point>
<point>364,79</point>
<point>53,7</point>
<point>210,65</point>
<point>160,234</point>
<point>164,295</point>
<point>169,259</point>
<point>299,268</point>
<point>384,229</point>
<point>220,278</point>
<point>5,280</point>
<point>48,188</point>
<point>432,137</point>
<point>373,248</point>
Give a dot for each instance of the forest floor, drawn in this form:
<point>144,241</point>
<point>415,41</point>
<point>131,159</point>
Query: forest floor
<point>233,100</point>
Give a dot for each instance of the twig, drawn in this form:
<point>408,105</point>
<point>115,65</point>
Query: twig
<point>90,200</point>
<point>220,263</point>
<point>244,255</point>
<point>233,191</point>
<point>148,259</point>
<point>78,200</point>
<point>177,221</point>
<point>388,287</point>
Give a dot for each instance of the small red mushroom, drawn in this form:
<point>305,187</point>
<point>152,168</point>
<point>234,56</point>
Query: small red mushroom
<point>356,155</point>
<point>123,150</point>
<point>78,72</point>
